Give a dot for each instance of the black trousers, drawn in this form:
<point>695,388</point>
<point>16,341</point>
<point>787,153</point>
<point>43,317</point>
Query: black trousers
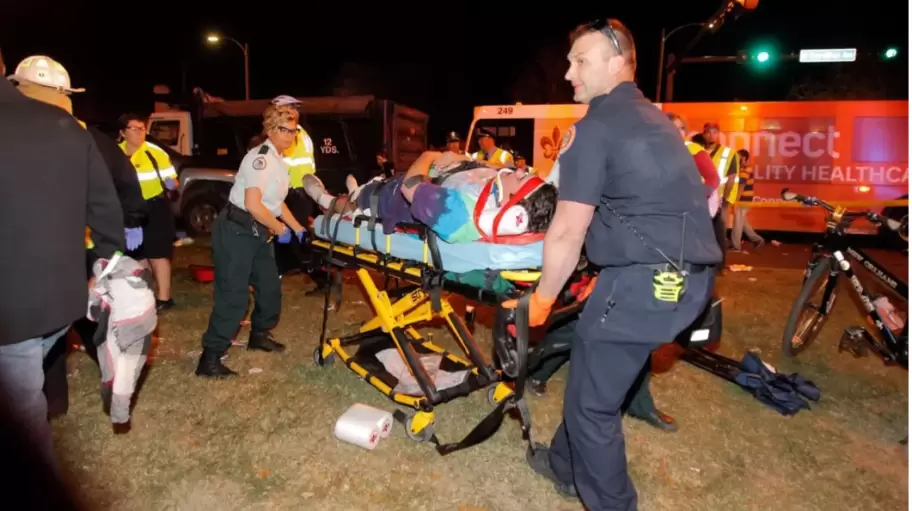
<point>719,228</point>
<point>638,403</point>
<point>620,326</point>
<point>241,259</point>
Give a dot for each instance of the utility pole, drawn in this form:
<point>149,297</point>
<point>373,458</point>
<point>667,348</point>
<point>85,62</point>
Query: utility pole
<point>216,38</point>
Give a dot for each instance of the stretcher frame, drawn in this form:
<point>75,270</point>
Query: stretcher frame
<point>398,311</point>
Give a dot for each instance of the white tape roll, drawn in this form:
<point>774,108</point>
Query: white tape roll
<point>364,425</point>
<point>357,429</point>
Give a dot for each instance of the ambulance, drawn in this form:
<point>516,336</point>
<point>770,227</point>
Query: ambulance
<point>839,151</point>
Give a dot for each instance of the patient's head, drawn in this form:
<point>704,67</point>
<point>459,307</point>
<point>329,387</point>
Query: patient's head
<point>540,205</point>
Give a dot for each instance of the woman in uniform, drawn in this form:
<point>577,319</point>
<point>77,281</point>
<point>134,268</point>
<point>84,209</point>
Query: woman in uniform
<point>241,250</point>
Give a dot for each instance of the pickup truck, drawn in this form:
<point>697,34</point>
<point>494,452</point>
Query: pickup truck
<point>208,140</point>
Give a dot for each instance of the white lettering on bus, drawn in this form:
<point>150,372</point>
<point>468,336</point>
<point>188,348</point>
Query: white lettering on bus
<point>786,143</point>
<point>858,174</point>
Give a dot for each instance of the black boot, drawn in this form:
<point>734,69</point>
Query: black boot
<point>263,341</point>
<point>210,364</point>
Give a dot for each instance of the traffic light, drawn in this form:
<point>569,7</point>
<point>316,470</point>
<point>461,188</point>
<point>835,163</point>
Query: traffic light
<point>890,53</point>
<point>762,57</point>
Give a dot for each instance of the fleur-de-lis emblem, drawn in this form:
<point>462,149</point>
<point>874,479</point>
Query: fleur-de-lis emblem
<point>550,145</point>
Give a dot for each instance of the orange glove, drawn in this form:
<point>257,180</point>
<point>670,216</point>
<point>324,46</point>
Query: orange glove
<point>539,308</point>
<point>588,291</point>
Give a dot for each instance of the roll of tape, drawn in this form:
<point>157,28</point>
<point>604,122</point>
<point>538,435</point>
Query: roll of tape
<point>357,429</point>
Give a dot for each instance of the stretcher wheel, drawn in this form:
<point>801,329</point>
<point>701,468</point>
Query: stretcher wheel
<point>425,434</point>
<point>498,393</point>
<point>327,361</point>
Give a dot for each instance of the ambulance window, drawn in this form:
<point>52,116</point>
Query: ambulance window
<point>881,140</point>
<point>515,135</point>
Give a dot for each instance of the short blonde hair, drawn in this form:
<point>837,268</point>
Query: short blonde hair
<point>276,115</point>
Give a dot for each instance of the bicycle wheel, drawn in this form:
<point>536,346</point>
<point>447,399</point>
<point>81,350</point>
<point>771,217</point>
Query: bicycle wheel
<point>810,309</point>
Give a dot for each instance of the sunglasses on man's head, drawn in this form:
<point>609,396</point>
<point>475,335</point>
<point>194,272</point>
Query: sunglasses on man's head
<point>604,26</point>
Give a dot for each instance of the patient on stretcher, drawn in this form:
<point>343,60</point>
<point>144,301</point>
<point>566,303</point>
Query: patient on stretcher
<point>460,200</point>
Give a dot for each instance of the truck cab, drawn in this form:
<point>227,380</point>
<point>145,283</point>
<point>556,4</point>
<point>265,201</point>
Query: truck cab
<point>213,135</point>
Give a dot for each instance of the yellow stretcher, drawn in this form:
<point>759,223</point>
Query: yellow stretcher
<point>398,311</point>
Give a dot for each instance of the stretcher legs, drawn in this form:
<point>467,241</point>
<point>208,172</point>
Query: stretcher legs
<point>394,327</point>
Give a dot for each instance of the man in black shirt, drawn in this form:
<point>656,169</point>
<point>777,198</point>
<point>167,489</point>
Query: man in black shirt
<point>630,191</point>
<point>56,184</point>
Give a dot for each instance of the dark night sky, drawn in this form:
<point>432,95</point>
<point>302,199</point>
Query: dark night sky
<point>440,60</point>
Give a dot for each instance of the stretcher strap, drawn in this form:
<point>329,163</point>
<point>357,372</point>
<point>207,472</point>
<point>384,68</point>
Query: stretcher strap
<point>491,424</point>
<point>328,269</point>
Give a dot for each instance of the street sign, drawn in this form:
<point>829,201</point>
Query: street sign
<point>836,55</point>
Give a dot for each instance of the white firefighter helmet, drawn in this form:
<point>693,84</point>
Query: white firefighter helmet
<point>44,71</point>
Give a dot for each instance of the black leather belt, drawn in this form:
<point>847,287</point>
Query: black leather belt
<point>246,220</point>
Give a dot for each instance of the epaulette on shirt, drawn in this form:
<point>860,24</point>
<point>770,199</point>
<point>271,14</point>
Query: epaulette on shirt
<point>264,149</point>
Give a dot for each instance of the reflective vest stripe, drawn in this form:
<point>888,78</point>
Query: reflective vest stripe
<point>291,162</point>
<point>299,159</point>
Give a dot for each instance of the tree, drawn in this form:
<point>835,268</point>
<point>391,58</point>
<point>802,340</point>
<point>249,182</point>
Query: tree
<point>541,79</point>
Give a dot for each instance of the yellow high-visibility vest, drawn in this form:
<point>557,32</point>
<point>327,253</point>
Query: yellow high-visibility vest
<point>300,159</point>
<point>693,147</point>
<point>499,156</point>
<point>149,181</point>
<point>724,158</point>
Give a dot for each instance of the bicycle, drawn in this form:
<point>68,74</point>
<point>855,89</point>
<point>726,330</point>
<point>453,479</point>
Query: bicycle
<point>831,256</point>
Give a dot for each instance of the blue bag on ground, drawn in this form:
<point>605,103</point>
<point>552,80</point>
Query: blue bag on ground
<point>786,394</point>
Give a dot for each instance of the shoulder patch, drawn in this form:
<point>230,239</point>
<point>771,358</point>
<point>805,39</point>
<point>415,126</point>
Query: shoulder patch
<point>259,163</point>
<point>264,149</point>
<point>567,141</point>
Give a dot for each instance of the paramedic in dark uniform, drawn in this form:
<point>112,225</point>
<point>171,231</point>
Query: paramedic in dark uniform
<point>630,190</point>
<point>241,248</point>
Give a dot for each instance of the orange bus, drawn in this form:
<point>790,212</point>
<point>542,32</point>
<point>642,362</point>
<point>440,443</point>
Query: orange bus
<point>834,150</point>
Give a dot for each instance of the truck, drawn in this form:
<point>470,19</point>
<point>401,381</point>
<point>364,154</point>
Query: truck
<point>208,137</point>
<point>839,151</point>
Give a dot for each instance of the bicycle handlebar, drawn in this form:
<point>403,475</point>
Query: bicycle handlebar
<point>871,216</point>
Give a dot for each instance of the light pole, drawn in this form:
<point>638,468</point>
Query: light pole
<point>662,66</point>
<point>215,39</point>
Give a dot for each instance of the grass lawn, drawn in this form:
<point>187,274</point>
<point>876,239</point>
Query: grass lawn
<point>264,440</point>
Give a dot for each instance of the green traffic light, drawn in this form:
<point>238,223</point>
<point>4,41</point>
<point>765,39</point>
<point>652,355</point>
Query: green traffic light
<point>763,56</point>
<point>891,52</point>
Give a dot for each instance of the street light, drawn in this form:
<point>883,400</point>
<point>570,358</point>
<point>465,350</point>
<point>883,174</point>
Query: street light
<point>216,38</point>
<point>711,25</point>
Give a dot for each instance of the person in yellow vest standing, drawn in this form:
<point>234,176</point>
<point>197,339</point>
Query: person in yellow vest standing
<point>519,162</point>
<point>489,153</point>
<point>299,158</point>
<point>725,160</point>
<point>157,181</point>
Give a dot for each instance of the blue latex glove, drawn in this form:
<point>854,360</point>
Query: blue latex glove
<point>301,235</point>
<point>285,237</point>
<point>171,184</point>
<point>134,237</point>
